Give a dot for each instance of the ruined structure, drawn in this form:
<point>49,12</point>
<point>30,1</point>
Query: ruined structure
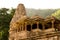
<point>23,27</point>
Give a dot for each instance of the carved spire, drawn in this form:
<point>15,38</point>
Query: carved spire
<point>20,12</point>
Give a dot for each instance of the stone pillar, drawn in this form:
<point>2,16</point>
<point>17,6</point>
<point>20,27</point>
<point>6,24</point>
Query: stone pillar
<point>22,27</point>
<point>43,26</point>
<point>52,24</point>
<point>25,26</point>
<point>37,25</point>
<point>31,27</point>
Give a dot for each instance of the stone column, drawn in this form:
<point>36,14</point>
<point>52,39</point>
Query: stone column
<point>25,26</point>
<point>52,24</point>
<point>31,27</point>
<point>43,26</point>
<point>22,27</point>
<point>37,25</point>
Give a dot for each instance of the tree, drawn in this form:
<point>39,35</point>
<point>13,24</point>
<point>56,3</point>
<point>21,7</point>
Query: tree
<point>3,11</point>
<point>5,18</point>
<point>56,14</point>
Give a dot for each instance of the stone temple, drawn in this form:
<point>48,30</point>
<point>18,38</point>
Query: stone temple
<point>35,27</point>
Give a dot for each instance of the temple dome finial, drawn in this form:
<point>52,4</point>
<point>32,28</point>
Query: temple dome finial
<point>19,12</point>
<point>21,9</point>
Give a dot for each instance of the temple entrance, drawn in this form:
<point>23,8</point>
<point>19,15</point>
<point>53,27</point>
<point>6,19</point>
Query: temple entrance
<point>48,25</point>
<point>28,27</point>
<point>34,26</point>
<point>40,26</point>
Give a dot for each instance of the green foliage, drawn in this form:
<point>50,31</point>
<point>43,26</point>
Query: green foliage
<point>12,11</point>
<point>5,18</point>
<point>56,14</point>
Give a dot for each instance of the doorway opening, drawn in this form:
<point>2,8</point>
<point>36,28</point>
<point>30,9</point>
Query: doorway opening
<point>34,26</point>
<point>40,26</point>
<point>28,27</point>
<point>48,25</point>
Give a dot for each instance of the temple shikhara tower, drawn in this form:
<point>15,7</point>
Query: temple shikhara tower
<point>35,27</point>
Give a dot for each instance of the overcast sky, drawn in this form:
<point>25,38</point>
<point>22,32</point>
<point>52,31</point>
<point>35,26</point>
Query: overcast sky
<point>36,4</point>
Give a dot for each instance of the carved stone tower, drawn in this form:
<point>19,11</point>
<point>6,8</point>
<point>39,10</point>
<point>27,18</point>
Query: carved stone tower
<point>23,27</point>
<point>19,14</point>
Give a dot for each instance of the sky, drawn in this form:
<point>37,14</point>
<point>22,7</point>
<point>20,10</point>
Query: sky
<point>36,4</point>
